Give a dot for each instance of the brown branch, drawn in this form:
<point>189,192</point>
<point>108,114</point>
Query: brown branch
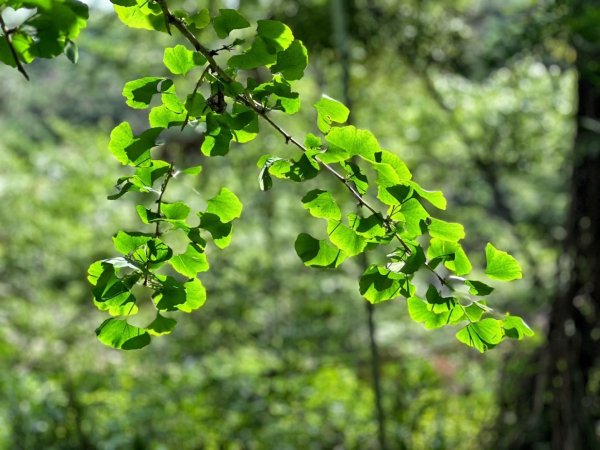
<point>246,99</point>
<point>290,139</point>
<point>165,11</point>
<point>163,188</point>
<point>13,52</point>
<point>198,84</point>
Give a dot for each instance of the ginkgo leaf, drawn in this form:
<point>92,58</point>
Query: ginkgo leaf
<point>501,265</point>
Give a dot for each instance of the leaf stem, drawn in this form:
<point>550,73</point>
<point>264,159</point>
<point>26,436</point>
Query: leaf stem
<point>163,188</point>
<point>13,52</point>
<point>198,84</point>
<point>164,9</point>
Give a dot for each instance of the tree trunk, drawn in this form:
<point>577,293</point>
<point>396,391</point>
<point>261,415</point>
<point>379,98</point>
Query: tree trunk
<point>557,406</point>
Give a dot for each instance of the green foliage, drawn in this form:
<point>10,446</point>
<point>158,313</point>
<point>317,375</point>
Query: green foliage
<point>142,14</point>
<point>139,93</point>
<point>227,21</point>
<point>226,104</point>
<point>500,265</point>
<point>274,336</point>
<point>482,335</point>
<point>321,204</point>
<point>118,333</point>
<point>399,231</point>
<point>179,60</point>
<point>292,61</point>
<point>45,34</point>
<point>329,111</point>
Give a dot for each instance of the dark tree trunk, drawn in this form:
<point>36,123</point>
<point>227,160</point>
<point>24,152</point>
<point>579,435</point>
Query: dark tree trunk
<point>557,406</point>
<point>574,321</point>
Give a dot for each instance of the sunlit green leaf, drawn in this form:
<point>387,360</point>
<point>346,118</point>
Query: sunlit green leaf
<point>378,284</point>
<point>371,227</point>
<point>139,92</point>
<point>422,312</point>
<point>226,205</point>
<point>451,253</point>
<point>501,265</point>
<point>195,296</point>
<point>481,335</point>
<point>292,61</point>
<point>277,94</point>
<point>272,37</point>
<point>436,198</point>
<point>157,252</point>
<point>179,60</point>
<point>146,215</point>
<point>194,170</point>
<point>195,105</point>
<point>355,141</point>
<point>516,328</point>
<point>356,176</point>
<point>259,54</point>
<point>127,242</point>
<point>478,288</point>
<point>399,166</point>
<point>329,111</point>
<point>227,21</point>
<point>129,149</point>
<point>461,264</point>
<point>108,287</point>
<point>117,333</point>
<point>175,211</point>
<point>264,178</point>
<point>163,117</point>
<point>322,204</point>
<point>277,35</point>
<point>220,231</point>
<point>140,14</point>
<point>161,325</point>
<point>171,295</point>
<point>316,253</point>
<point>413,262</point>
<point>190,263</point>
<point>446,231</point>
<point>414,214</point>
<point>344,238</point>
<point>301,170</point>
<point>201,19</point>
<point>474,311</point>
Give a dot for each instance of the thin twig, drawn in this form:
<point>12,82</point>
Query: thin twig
<point>290,139</point>
<point>198,84</point>
<point>257,107</point>
<point>247,99</point>
<point>13,52</point>
<point>165,11</point>
<point>163,188</point>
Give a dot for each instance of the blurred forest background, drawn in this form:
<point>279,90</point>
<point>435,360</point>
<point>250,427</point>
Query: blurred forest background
<point>493,101</point>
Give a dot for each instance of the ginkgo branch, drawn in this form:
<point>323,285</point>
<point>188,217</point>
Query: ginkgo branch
<point>6,32</point>
<point>163,188</point>
<point>247,99</point>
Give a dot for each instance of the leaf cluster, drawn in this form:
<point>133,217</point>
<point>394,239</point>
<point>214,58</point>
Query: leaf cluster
<point>227,105</point>
<point>48,30</point>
